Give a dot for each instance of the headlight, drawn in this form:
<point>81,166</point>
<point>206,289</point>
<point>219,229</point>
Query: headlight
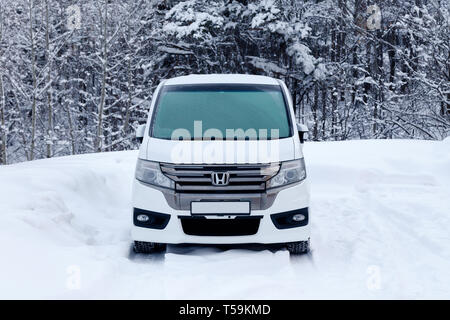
<point>149,172</point>
<point>290,172</point>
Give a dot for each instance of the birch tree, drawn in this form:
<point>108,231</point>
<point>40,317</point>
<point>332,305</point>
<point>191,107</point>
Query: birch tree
<point>3,128</point>
<point>103,14</point>
<point>49,140</point>
<point>34,80</point>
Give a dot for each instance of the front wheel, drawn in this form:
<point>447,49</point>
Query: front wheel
<point>148,247</point>
<point>299,247</point>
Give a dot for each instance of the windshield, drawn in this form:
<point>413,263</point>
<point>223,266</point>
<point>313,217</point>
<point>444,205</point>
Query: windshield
<point>221,111</point>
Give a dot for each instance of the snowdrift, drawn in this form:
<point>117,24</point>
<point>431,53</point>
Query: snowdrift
<point>380,216</point>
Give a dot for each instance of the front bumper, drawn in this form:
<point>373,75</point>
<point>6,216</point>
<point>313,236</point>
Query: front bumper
<point>288,199</point>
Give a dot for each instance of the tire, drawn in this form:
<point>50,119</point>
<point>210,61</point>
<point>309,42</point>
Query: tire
<point>300,247</point>
<point>148,247</point>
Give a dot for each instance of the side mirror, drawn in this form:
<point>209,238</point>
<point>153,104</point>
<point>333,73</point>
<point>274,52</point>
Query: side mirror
<point>302,132</point>
<point>140,131</point>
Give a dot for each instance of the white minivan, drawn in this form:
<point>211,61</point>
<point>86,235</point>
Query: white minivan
<point>221,162</point>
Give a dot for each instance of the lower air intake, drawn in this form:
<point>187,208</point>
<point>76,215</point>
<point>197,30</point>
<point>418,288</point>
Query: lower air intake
<point>239,226</point>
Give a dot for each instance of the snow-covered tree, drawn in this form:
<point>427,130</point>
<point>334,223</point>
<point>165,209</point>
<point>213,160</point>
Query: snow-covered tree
<point>78,75</point>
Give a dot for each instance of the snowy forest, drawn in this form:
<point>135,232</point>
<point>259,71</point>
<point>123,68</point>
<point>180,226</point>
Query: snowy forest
<point>78,76</point>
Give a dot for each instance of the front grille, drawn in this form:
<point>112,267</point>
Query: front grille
<point>243,178</point>
<point>239,226</point>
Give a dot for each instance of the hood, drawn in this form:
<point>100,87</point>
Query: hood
<point>219,152</point>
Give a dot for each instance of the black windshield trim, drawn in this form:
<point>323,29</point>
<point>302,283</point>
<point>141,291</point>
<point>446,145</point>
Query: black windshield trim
<point>221,86</point>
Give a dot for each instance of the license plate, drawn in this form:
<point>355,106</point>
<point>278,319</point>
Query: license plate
<point>220,207</point>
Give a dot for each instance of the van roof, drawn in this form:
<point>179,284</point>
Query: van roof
<point>221,78</point>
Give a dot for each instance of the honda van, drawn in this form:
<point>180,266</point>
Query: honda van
<point>221,162</point>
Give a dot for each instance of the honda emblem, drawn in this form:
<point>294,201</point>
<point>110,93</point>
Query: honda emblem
<point>220,178</point>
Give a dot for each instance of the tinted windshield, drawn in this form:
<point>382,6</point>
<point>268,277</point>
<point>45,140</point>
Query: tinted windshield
<point>221,111</point>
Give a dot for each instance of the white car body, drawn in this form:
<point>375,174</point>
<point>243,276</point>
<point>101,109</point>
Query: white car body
<point>286,199</point>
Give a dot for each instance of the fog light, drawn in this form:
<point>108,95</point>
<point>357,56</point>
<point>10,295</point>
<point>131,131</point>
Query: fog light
<point>143,218</point>
<point>298,217</point>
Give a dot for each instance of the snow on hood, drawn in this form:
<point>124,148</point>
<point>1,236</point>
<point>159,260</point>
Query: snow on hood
<point>198,152</point>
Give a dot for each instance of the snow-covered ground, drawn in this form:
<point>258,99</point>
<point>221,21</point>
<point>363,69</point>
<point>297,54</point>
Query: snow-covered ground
<point>380,217</point>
